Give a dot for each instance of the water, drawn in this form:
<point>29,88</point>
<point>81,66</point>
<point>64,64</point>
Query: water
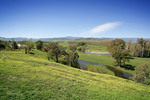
<point>117,72</point>
<point>97,53</point>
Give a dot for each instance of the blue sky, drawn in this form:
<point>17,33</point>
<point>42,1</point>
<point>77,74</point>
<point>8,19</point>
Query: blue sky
<point>80,18</point>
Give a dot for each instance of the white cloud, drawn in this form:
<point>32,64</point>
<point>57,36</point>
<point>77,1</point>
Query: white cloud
<point>102,28</point>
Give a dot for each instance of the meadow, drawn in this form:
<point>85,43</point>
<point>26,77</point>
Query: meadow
<point>32,76</point>
<point>108,60</point>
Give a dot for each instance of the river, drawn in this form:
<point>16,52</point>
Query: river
<point>98,53</point>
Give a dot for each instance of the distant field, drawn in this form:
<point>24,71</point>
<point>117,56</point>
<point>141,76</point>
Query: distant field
<point>64,44</point>
<point>93,48</point>
<point>96,48</point>
<point>33,77</point>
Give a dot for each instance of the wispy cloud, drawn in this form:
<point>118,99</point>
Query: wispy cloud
<point>102,28</point>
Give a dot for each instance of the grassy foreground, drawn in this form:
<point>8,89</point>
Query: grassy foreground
<point>26,76</point>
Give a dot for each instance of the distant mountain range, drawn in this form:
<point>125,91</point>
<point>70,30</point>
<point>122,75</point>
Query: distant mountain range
<point>66,38</point>
<point>43,39</point>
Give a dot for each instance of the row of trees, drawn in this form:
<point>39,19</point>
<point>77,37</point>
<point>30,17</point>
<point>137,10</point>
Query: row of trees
<point>27,45</point>
<point>142,48</point>
<point>8,45</point>
<point>104,42</point>
<point>80,46</point>
<point>139,49</point>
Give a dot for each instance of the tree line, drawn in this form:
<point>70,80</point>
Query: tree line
<point>68,56</point>
<point>8,45</point>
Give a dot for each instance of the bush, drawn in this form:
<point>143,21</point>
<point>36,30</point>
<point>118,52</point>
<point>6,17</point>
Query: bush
<point>141,73</point>
<point>147,82</point>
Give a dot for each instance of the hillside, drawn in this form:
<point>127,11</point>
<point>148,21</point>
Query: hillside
<point>26,76</point>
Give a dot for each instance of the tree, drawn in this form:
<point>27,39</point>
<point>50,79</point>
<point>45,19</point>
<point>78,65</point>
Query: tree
<point>2,45</point>
<point>125,56</point>
<point>73,47</point>
<point>28,45</point>
<point>81,46</point>
<point>129,45</point>
<point>137,50</point>
<point>141,48</point>
<point>74,59</point>
<point>55,51</point>
<point>141,73</point>
<point>71,58</point>
<point>39,44</point>
<point>14,45</point>
<point>147,49</point>
<point>118,52</point>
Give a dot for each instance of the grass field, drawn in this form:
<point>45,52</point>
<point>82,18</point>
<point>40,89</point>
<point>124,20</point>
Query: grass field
<point>99,69</point>
<point>96,48</point>
<point>28,77</point>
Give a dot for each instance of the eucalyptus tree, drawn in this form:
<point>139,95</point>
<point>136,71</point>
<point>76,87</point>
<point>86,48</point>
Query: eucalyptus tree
<point>118,52</point>
<point>55,51</point>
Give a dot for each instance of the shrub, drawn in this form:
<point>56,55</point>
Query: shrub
<point>147,82</point>
<point>141,73</point>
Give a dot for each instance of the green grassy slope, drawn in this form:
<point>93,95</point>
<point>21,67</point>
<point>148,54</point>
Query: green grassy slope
<point>25,76</point>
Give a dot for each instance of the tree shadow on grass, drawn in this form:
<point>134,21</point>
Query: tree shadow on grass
<point>31,53</point>
<point>130,67</point>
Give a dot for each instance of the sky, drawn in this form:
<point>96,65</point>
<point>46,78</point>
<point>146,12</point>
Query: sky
<point>77,18</point>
